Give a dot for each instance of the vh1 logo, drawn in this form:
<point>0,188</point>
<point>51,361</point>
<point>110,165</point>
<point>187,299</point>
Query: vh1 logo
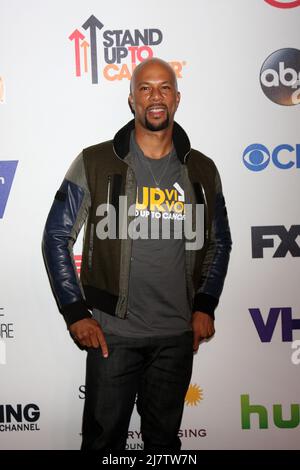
<point>265,329</point>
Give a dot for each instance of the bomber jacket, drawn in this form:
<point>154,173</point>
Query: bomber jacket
<point>100,175</point>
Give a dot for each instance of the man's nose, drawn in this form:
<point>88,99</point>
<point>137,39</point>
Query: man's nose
<point>156,94</point>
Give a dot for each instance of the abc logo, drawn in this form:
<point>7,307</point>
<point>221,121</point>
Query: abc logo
<point>284,3</point>
<point>257,157</point>
<point>280,77</point>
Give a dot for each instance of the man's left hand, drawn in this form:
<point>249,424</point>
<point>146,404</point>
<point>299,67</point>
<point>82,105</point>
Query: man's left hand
<point>203,327</point>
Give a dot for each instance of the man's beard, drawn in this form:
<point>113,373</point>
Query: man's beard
<point>158,127</point>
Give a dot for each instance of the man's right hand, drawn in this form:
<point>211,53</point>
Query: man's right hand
<point>89,334</point>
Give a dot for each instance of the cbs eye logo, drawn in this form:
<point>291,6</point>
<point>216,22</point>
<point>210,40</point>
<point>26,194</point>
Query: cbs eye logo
<point>283,3</point>
<point>256,157</point>
<point>280,77</point>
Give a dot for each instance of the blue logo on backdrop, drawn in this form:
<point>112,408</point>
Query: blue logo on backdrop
<point>7,173</point>
<point>256,157</point>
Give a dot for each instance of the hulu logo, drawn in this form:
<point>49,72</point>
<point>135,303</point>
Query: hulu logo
<point>263,415</point>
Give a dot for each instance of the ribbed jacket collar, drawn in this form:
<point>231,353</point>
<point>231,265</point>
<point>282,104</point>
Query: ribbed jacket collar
<point>181,141</point>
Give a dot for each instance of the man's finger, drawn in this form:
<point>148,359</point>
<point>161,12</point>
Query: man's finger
<point>85,342</point>
<point>196,343</point>
<point>94,339</point>
<point>102,342</point>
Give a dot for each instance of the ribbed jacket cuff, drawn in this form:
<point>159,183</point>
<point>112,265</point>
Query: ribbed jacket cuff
<point>205,303</point>
<point>75,312</point>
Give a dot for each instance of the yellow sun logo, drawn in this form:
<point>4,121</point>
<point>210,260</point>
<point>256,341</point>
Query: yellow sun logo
<point>194,395</point>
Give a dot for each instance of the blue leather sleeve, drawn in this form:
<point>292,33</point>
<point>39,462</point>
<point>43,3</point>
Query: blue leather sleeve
<point>216,260</point>
<point>62,227</point>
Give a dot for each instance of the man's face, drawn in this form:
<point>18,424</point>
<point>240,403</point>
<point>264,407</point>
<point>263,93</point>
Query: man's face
<point>154,96</point>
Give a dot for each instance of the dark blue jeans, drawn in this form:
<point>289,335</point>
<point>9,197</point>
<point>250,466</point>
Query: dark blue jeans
<point>157,370</point>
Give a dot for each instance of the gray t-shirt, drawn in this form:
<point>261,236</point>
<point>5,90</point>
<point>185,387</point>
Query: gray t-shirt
<point>158,303</point>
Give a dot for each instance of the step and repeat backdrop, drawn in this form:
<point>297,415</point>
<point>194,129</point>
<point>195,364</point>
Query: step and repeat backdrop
<point>64,81</point>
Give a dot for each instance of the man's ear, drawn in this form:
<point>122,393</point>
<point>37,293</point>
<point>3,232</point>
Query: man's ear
<point>178,99</point>
<point>130,103</point>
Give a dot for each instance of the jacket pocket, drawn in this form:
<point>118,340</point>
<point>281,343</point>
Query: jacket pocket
<point>201,199</point>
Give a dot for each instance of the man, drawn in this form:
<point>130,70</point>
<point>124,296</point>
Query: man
<point>152,297</point>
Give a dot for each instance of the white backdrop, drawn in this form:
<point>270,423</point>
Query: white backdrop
<point>48,114</point>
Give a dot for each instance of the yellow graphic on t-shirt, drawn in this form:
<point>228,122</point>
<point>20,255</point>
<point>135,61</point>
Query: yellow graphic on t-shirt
<point>162,200</point>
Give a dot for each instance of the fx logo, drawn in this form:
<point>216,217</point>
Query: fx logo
<point>263,237</point>
<point>7,173</point>
<point>266,329</point>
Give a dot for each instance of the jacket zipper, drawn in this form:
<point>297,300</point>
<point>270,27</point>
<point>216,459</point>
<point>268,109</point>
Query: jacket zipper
<point>91,246</point>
